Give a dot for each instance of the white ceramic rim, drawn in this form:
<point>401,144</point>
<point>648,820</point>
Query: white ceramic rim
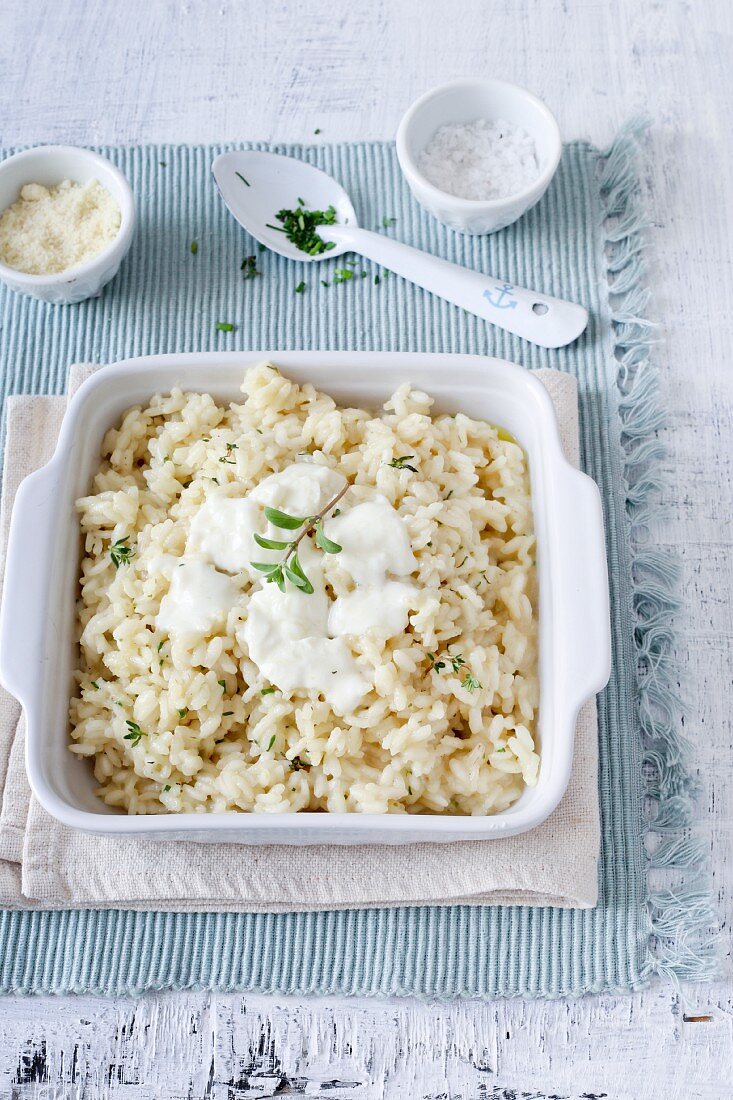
<point>577,599</point>
<point>121,241</point>
<point>540,183</point>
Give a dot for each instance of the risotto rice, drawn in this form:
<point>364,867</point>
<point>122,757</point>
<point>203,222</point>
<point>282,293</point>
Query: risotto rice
<point>189,724</point>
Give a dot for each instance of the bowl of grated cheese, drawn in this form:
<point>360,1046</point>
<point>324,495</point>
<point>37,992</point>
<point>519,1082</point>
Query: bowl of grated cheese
<point>67,218</point>
<point>478,154</point>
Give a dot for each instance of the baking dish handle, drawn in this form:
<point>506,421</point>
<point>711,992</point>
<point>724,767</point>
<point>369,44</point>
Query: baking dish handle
<point>28,566</point>
<point>583,607</point>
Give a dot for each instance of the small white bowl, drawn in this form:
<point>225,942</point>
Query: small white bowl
<point>50,165</point>
<point>466,101</point>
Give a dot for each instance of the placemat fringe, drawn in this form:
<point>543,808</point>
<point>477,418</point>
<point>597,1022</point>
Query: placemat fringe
<point>682,928</point>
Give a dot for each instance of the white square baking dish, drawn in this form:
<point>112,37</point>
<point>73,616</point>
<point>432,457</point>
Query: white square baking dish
<point>38,652</point>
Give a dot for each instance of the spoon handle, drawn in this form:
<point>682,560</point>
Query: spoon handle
<point>549,322</point>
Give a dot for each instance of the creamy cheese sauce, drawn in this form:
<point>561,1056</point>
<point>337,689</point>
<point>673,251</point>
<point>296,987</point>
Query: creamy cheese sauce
<point>374,542</point>
<point>222,531</point>
<point>198,600</point>
<point>382,607</point>
<point>296,639</point>
<point>285,634</point>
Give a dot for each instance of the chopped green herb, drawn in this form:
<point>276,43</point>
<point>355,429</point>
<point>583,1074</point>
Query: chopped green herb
<point>299,226</point>
<point>222,684</point>
<point>224,326</point>
<point>299,765</point>
<point>135,733</point>
<point>435,664</point>
<point>387,223</point>
<point>300,287</point>
<point>249,267</point>
<point>120,552</point>
<point>337,511</point>
<point>160,645</point>
<point>227,713</point>
<point>324,282</point>
<point>268,691</point>
<point>317,130</point>
<point>501,750</point>
<point>228,456</point>
<point>242,178</point>
<point>167,787</point>
<point>342,275</point>
<point>470,683</point>
<point>272,742</point>
<point>194,247</point>
<point>95,684</point>
<point>402,463</point>
<point>261,247</point>
<point>183,712</point>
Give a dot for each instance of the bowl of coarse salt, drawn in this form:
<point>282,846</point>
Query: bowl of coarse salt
<point>477,154</point>
<point>67,219</point>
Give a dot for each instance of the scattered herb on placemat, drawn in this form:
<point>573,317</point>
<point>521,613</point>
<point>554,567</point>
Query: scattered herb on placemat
<point>249,267</point>
<point>224,326</point>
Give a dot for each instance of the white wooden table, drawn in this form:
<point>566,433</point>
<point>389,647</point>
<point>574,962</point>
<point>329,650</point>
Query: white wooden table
<point>88,71</point>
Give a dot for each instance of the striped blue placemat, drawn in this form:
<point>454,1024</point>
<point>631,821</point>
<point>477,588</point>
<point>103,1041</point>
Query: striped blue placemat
<point>581,242</point>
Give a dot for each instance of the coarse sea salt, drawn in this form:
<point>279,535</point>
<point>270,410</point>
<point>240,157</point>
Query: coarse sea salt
<point>480,160</point>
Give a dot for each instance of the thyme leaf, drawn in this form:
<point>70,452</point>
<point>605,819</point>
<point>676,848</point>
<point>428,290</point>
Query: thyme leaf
<point>135,733</point>
<point>327,545</point>
<point>282,519</point>
<point>470,683</point>
<point>120,552</point>
<point>270,544</point>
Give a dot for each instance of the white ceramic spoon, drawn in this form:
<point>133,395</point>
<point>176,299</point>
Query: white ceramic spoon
<point>256,185</point>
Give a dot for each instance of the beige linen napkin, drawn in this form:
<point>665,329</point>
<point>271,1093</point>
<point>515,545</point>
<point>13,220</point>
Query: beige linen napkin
<point>45,865</point>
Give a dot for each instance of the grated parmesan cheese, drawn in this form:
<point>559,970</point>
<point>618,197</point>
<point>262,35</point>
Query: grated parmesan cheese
<point>51,229</point>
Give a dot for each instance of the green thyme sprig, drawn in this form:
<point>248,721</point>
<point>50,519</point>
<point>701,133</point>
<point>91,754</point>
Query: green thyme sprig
<point>289,568</point>
<point>299,226</point>
<point>135,733</point>
<point>120,552</point>
<point>470,683</point>
<point>455,660</point>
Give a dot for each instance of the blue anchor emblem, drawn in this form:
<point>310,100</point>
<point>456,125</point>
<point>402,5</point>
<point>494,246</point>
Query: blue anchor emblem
<point>503,292</point>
